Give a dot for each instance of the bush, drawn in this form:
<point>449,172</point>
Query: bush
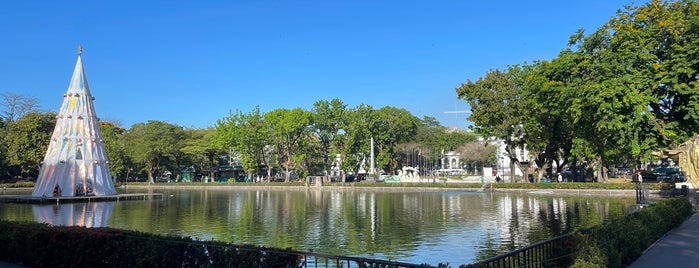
<point>621,241</point>
<point>19,184</point>
<point>41,245</point>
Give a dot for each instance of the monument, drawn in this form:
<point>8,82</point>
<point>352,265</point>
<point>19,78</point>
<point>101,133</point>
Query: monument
<point>76,162</point>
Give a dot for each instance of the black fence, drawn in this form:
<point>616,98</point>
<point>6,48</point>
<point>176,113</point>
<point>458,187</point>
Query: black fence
<point>555,252</point>
<point>312,259</point>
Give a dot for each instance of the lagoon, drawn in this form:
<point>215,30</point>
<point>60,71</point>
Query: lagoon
<point>415,225</point>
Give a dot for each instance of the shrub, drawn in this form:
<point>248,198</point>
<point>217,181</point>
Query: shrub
<point>621,241</point>
<point>41,245</point>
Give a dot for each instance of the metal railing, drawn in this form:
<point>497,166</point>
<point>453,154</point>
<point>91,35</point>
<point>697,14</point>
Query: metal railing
<point>555,252</point>
<point>312,259</point>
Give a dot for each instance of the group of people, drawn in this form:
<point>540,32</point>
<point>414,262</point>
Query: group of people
<point>80,190</point>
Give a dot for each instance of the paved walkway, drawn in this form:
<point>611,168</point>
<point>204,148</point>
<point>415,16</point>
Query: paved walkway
<point>9,265</point>
<point>677,248</point>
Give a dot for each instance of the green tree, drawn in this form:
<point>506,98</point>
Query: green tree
<point>548,124</point>
<point>248,135</point>
<point>357,138</point>
<point>328,120</point>
<point>656,49</point>
<point>119,162</point>
<point>26,141</point>
<point>637,83</point>
<point>154,145</point>
<point>200,149</point>
<point>288,129</point>
<point>498,108</point>
<point>391,126</point>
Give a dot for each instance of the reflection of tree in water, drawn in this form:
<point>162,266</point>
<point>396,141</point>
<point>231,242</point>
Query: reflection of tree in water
<point>491,247</point>
<point>383,224</point>
<point>550,217</point>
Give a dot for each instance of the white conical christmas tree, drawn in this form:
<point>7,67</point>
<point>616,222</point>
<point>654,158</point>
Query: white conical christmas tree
<point>76,162</point>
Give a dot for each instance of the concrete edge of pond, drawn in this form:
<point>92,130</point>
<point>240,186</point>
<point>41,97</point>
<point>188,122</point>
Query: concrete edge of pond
<point>581,192</point>
<point>29,199</point>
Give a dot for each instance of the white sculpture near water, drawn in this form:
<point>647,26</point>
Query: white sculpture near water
<point>409,174</point>
<point>76,162</point>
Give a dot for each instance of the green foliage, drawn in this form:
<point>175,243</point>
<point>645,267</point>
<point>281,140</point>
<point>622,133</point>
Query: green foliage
<point>629,88</point>
<point>619,242</point>
<point>431,134</point>
<point>26,141</point>
<point>248,135</point>
<point>200,150</point>
<point>328,119</point>
<point>614,243</point>
<point>497,107</point>
<point>112,135</point>
<point>391,126</point>
<point>288,129</point>
<point>19,184</point>
<point>41,245</point>
<point>357,135</point>
<point>155,146</point>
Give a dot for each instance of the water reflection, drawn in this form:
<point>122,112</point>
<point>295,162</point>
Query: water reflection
<point>403,225</point>
<point>94,214</point>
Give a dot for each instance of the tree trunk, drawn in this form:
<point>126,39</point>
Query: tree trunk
<point>150,176</point>
<point>512,168</point>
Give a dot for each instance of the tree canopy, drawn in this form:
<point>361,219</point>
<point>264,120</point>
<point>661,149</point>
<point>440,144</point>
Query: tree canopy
<point>613,97</point>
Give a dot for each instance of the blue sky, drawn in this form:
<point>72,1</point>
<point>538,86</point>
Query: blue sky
<point>191,62</point>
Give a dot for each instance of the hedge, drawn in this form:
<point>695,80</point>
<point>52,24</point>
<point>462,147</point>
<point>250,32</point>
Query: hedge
<point>41,245</point>
<point>619,242</point>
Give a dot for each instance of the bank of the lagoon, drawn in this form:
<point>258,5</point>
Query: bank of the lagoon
<point>410,223</point>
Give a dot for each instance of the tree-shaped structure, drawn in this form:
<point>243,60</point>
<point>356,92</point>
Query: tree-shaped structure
<point>76,162</point>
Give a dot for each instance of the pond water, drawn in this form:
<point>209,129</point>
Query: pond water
<point>406,225</point>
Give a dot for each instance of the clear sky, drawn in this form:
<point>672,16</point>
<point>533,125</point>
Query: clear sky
<point>191,62</point>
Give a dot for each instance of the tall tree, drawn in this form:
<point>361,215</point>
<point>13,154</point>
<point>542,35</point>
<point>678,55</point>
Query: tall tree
<point>637,87</point>
<point>247,134</point>
<point>200,149</point>
<point>154,145</point>
<point>548,128</point>
<point>356,149</point>
<point>497,108</point>
<point>27,140</point>
<point>328,119</point>
<point>288,128</point>
<point>655,48</point>
<point>391,126</point>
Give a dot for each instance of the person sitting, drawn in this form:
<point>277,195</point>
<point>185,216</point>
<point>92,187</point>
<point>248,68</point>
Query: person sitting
<point>57,191</point>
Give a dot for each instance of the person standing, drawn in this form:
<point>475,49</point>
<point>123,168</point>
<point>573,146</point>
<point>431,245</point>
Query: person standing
<point>639,176</point>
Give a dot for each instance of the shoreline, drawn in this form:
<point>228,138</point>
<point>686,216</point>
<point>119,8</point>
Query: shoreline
<point>653,194</point>
<point>579,192</point>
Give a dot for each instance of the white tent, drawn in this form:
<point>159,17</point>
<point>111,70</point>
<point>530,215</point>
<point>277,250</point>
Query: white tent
<point>76,162</point>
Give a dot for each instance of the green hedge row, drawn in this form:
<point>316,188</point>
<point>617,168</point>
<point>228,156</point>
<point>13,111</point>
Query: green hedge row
<point>619,242</point>
<point>41,245</point>
<point>19,184</point>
